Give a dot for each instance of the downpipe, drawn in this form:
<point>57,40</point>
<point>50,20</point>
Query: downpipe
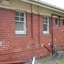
<point>33,61</point>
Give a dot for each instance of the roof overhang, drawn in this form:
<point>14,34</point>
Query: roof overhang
<point>45,5</point>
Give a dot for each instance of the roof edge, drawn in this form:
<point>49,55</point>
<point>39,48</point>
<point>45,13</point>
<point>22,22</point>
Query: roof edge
<point>45,5</point>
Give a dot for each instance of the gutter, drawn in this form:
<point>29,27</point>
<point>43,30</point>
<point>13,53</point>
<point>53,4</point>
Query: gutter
<point>45,5</point>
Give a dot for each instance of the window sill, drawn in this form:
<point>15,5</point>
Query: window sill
<point>19,35</point>
<point>20,32</point>
<point>57,25</point>
<point>46,34</point>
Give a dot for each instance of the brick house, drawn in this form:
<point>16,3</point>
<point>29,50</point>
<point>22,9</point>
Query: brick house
<point>26,29</point>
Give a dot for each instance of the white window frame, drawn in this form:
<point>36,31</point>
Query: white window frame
<point>57,21</point>
<point>63,22</point>
<point>46,32</point>
<point>20,31</point>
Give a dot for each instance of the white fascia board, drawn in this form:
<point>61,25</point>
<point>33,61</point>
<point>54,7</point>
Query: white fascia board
<point>42,4</point>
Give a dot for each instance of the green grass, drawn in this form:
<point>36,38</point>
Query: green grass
<point>59,62</point>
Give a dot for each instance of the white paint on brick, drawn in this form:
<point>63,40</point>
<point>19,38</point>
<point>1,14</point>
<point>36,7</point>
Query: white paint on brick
<point>28,47</point>
<point>42,45</point>
<point>49,44</point>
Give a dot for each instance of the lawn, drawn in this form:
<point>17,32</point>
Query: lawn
<point>58,62</point>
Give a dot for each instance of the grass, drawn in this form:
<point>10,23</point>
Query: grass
<point>59,62</point>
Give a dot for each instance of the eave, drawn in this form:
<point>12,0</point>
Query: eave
<point>45,5</point>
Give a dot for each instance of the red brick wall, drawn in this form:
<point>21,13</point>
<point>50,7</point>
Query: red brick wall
<point>59,34</point>
<point>19,47</point>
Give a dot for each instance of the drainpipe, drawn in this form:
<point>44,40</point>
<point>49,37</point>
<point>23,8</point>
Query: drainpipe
<point>38,27</point>
<point>52,34</point>
<point>31,23</point>
<point>32,36</point>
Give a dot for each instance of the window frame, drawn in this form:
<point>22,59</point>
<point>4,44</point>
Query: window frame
<point>46,32</point>
<point>57,21</point>
<point>63,22</point>
<point>21,31</point>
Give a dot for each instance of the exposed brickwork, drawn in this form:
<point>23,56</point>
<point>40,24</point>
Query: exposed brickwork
<point>22,46</point>
<point>59,34</point>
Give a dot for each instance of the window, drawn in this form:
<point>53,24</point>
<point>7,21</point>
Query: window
<point>20,24</point>
<point>57,22</point>
<point>46,25</point>
<point>63,22</point>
